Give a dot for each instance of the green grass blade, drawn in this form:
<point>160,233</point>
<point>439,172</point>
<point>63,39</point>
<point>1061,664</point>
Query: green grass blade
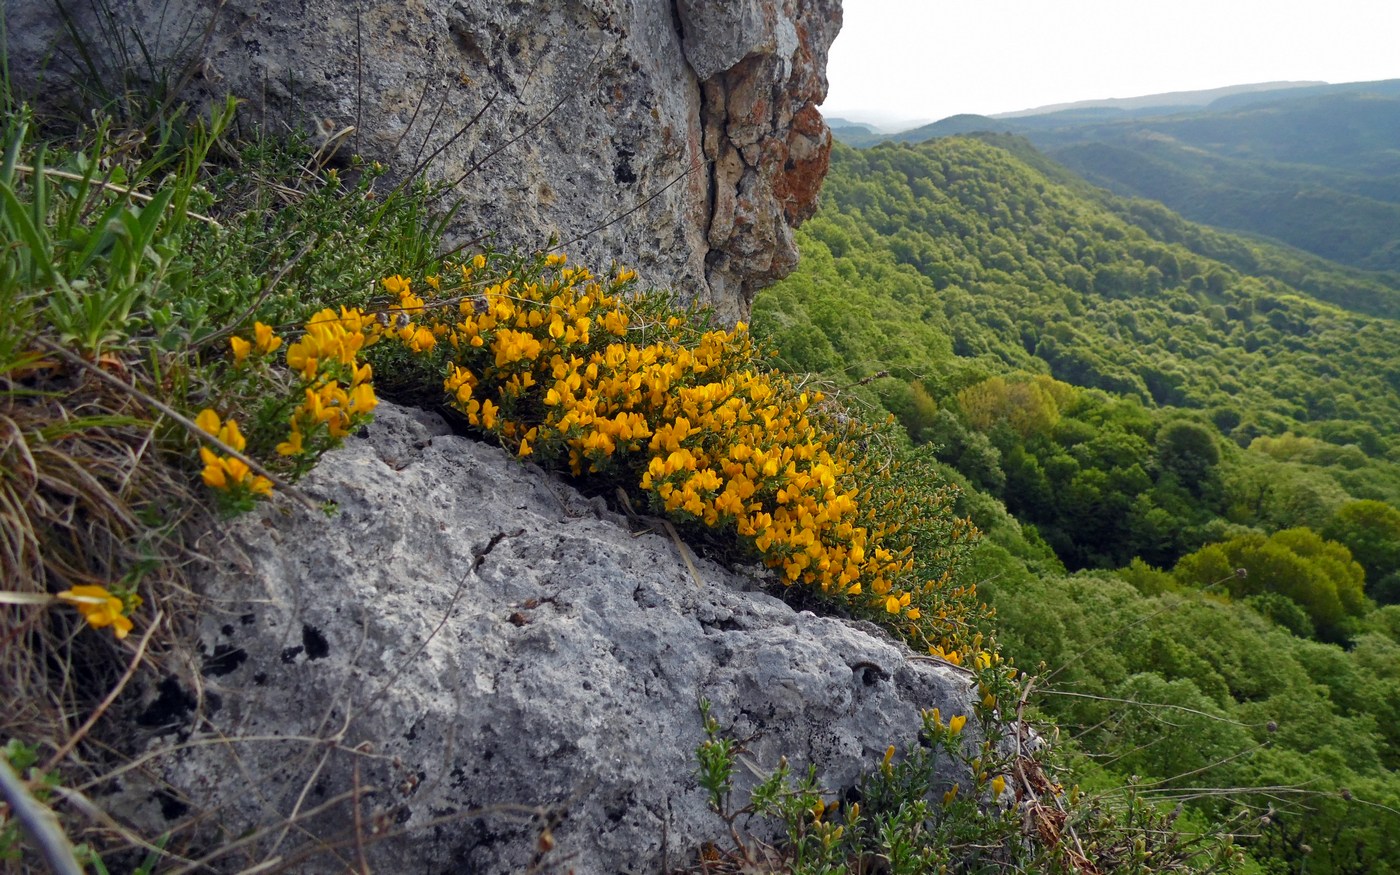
<point>40,259</point>
<point>16,136</point>
<point>39,186</point>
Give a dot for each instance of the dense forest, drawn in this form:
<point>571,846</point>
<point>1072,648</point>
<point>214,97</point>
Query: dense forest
<point>1314,167</point>
<point>1182,447</point>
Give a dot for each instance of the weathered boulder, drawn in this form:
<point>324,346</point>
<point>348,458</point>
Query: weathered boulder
<point>469,641</point>
<point>681,138</point>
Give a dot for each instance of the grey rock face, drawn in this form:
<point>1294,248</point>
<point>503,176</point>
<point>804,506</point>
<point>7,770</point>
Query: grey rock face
<point>680,138</point>
<point>469,642</point>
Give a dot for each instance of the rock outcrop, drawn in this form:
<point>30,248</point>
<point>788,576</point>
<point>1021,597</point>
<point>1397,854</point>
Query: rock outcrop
<point>469,655</point>
<point>680,137</point>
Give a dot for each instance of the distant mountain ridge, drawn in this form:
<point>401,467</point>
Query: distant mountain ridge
<point>1312,165</point>
<point>1166,99</point>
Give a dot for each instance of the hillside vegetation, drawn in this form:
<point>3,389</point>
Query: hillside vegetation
<point>1161,408</point>
<point>1313,167</point>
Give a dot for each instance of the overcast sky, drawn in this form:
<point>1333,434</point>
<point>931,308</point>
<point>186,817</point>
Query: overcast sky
<point>923,60</point>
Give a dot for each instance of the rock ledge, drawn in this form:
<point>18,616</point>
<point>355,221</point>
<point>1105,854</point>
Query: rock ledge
<point>468,635</point>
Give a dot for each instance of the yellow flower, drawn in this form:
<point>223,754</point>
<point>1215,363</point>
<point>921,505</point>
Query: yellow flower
<point>950,795</point>
<point>264,339</point>
<point>241,348</point>
<point>362,398</point>
<point>361,374</point>
<point>215,474</point>
<point>230,435</point>
<point>99,607</point>
<point>292,445</point>
<point>302,357</point>
<point>955,724</point>
<point>208,421</point>
<point>998,785</point>
<point>422,340</point>
<point>396,285</point>
<point>226,472</point>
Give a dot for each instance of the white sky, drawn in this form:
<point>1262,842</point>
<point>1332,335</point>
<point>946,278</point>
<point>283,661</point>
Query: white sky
<point>923,60</point>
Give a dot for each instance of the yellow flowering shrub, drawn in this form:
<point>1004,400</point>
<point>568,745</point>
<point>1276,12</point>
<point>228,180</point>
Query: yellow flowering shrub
<point>561,366</point>
<point>571,369</point>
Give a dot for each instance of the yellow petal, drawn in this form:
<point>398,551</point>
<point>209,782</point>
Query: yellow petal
<point>241,348</point>
<point>291,446</point>
<point>230,435</point>
<point>237,470</point>
<point>87,593</point>
<point>121,625</point>
<point>362,398</point>
<point>208,421</point>
<point>214,475</point>
<point>264,338</point>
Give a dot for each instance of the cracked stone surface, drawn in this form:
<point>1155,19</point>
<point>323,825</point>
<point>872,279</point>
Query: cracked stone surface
<point>470,639</point>
<point>680,137</point>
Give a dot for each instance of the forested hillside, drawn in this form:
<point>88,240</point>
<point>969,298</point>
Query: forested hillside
<point>1313,167</point>
<point>1204,428</point>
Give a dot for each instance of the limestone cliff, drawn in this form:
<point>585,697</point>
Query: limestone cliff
<point>681,138</point>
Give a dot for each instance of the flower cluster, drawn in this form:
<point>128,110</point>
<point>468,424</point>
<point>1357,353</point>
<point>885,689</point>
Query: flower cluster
<point>557,364</point>
<point>338,395</point>
<point>417,337</point>
<point>566,367</point>
<point>323,394</point>
<point>225,472</point>
<point>264,341</point>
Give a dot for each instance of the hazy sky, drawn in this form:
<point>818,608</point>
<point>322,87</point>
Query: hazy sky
<point>929,59</point>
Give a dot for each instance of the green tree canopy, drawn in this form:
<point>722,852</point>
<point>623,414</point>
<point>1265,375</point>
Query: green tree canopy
<point>1319,575</point>
<point>1371,531</point>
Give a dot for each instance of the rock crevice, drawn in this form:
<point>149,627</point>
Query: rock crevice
<point>761,68</point>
